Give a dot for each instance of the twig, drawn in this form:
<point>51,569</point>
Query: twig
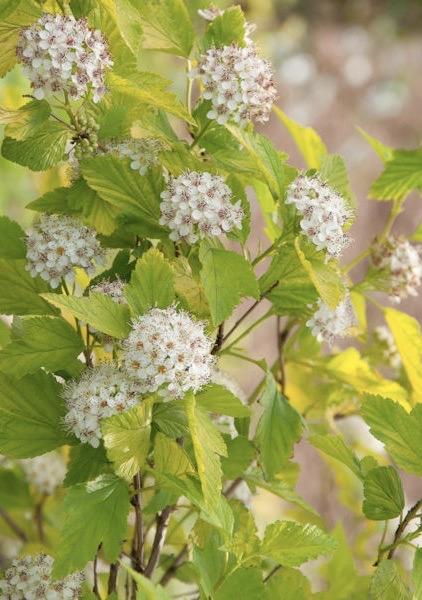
<point>248,312</point>
<point>219,339</point>
<point>157,545</point>
<point>112,578</point>
<point>39,519</point>
<point>13,525</point>
<point>178,560</point>
<point>411,514</point>
<point>95,570</point>
<point>271,573</point>
<point>138,538</point>
<point>232,487</point>
<point>282,335</point>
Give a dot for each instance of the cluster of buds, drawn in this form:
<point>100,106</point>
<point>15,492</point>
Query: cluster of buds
<point>168,351</point>
<point>196,205</point>
<point>101,392</point>
<point>45,472</point>
<point>29,578</point>
<point>327,324</point>
<point>56,244</point>
<point>239,84</point>
<point>385,341</point>
<point>143,153</point>
<point>403,263</point>
<point>324,213</point>
<point>62,54</point>
<point>85,141</point>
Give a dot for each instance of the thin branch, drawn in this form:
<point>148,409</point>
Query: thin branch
<point>177,562</point>
<point>411,514</point>
<point>112,578</point>
<point>39,518</point>
<point>282,335</point>
<point>95,589</point>
<point>13,525</point>
<point>219,339</point>
<point>232,487</point>
<point>157,545</point>
<point>271,573</point>
<point>248,312</point>
<point>138,538</point>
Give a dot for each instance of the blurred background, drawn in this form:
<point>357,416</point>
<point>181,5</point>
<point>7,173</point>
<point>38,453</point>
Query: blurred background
<point>339,65</point>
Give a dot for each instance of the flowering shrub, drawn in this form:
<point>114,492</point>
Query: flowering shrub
<point>131,452</point>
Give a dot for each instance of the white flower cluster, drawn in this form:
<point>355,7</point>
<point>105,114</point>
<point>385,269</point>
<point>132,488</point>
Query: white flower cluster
<point>29,578</point>
<point>389,349</point>
<point>56,244</point>
<point>239,84</point>
<point>63,54</point>
<point>404,264</point>
<point>226,422</point>
<point>195,205</point>
<point>102,391</point>
<point>168,351</point>
<point>326,324</point>
<point>45,472</point>
<point>324,213</point>
<point>143,153</point>
<point>112,289</point>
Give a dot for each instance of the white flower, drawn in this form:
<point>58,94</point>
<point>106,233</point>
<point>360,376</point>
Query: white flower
<point>45,472</point>
<point>226,422</point>
<point>102,391</point>
<point>63,54</point>
<point>195,205</point>
<point>143,153</point>
<point>55,244</point>
<point>324,213</point>
<point>389,349</point>
<point>29,578</point>
<point>168,351</point>
<point>112,289</point>
<point>404,264</point>
<point>239,84</point>
<point>327,324</point>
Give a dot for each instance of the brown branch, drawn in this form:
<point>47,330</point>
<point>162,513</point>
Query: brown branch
<point>219,339</point>
<point>39,518</point>
<point>282,335</point>
<point>232,487</point>
<point>248,312</point>
<point>112,578</point>
<point>411,514</point>
<point>13,525</point>
<point>177,562</point>
<point>271,573</point>
<point>138,537</point>
<point>95,571</point>
<point>157,545</point>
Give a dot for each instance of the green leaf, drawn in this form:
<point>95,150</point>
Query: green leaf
<point>291,544</point>
<point>417,574</point>
<point>126,438</point>
<point>169,457</point>
<point>279,428</point>
<point>94,513</point>
<point>85,464</point>
<point>23,122</point>
<point>170,418</point>
<point>151,284</point>
<point>209,563</point>
<point>387,584</point>
<point>240,454</point>
<point>188,288</point>
<point>31,416</point>
<point>280,488</point>
<point>147,589</point>
<point>225,29</point>
<point>5,333</point>
<point>167,26</point>
<point>134,195</point>
<point>326,277</point>
<point>307,140</point>
<point>333,170</point>
<point>218,399</point>
<point>208,446</point>
<point>11,239</point>
<point>14,490</point>
<point>97,310</point>
<point>408,338</point>
<point>223,291</point>
<point>384,152</point>
<point>401,175</point>
<point>289,584</point>
<point>334,446</point>
<point>149,95</point>
<point>14,18</point>
<point>41,151</point>
<point>130,25</point>
<point>383,494</point>
<point>48,342</point>
<point>399,431</point>
<point>248,581</point>
<point>19,292</point>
